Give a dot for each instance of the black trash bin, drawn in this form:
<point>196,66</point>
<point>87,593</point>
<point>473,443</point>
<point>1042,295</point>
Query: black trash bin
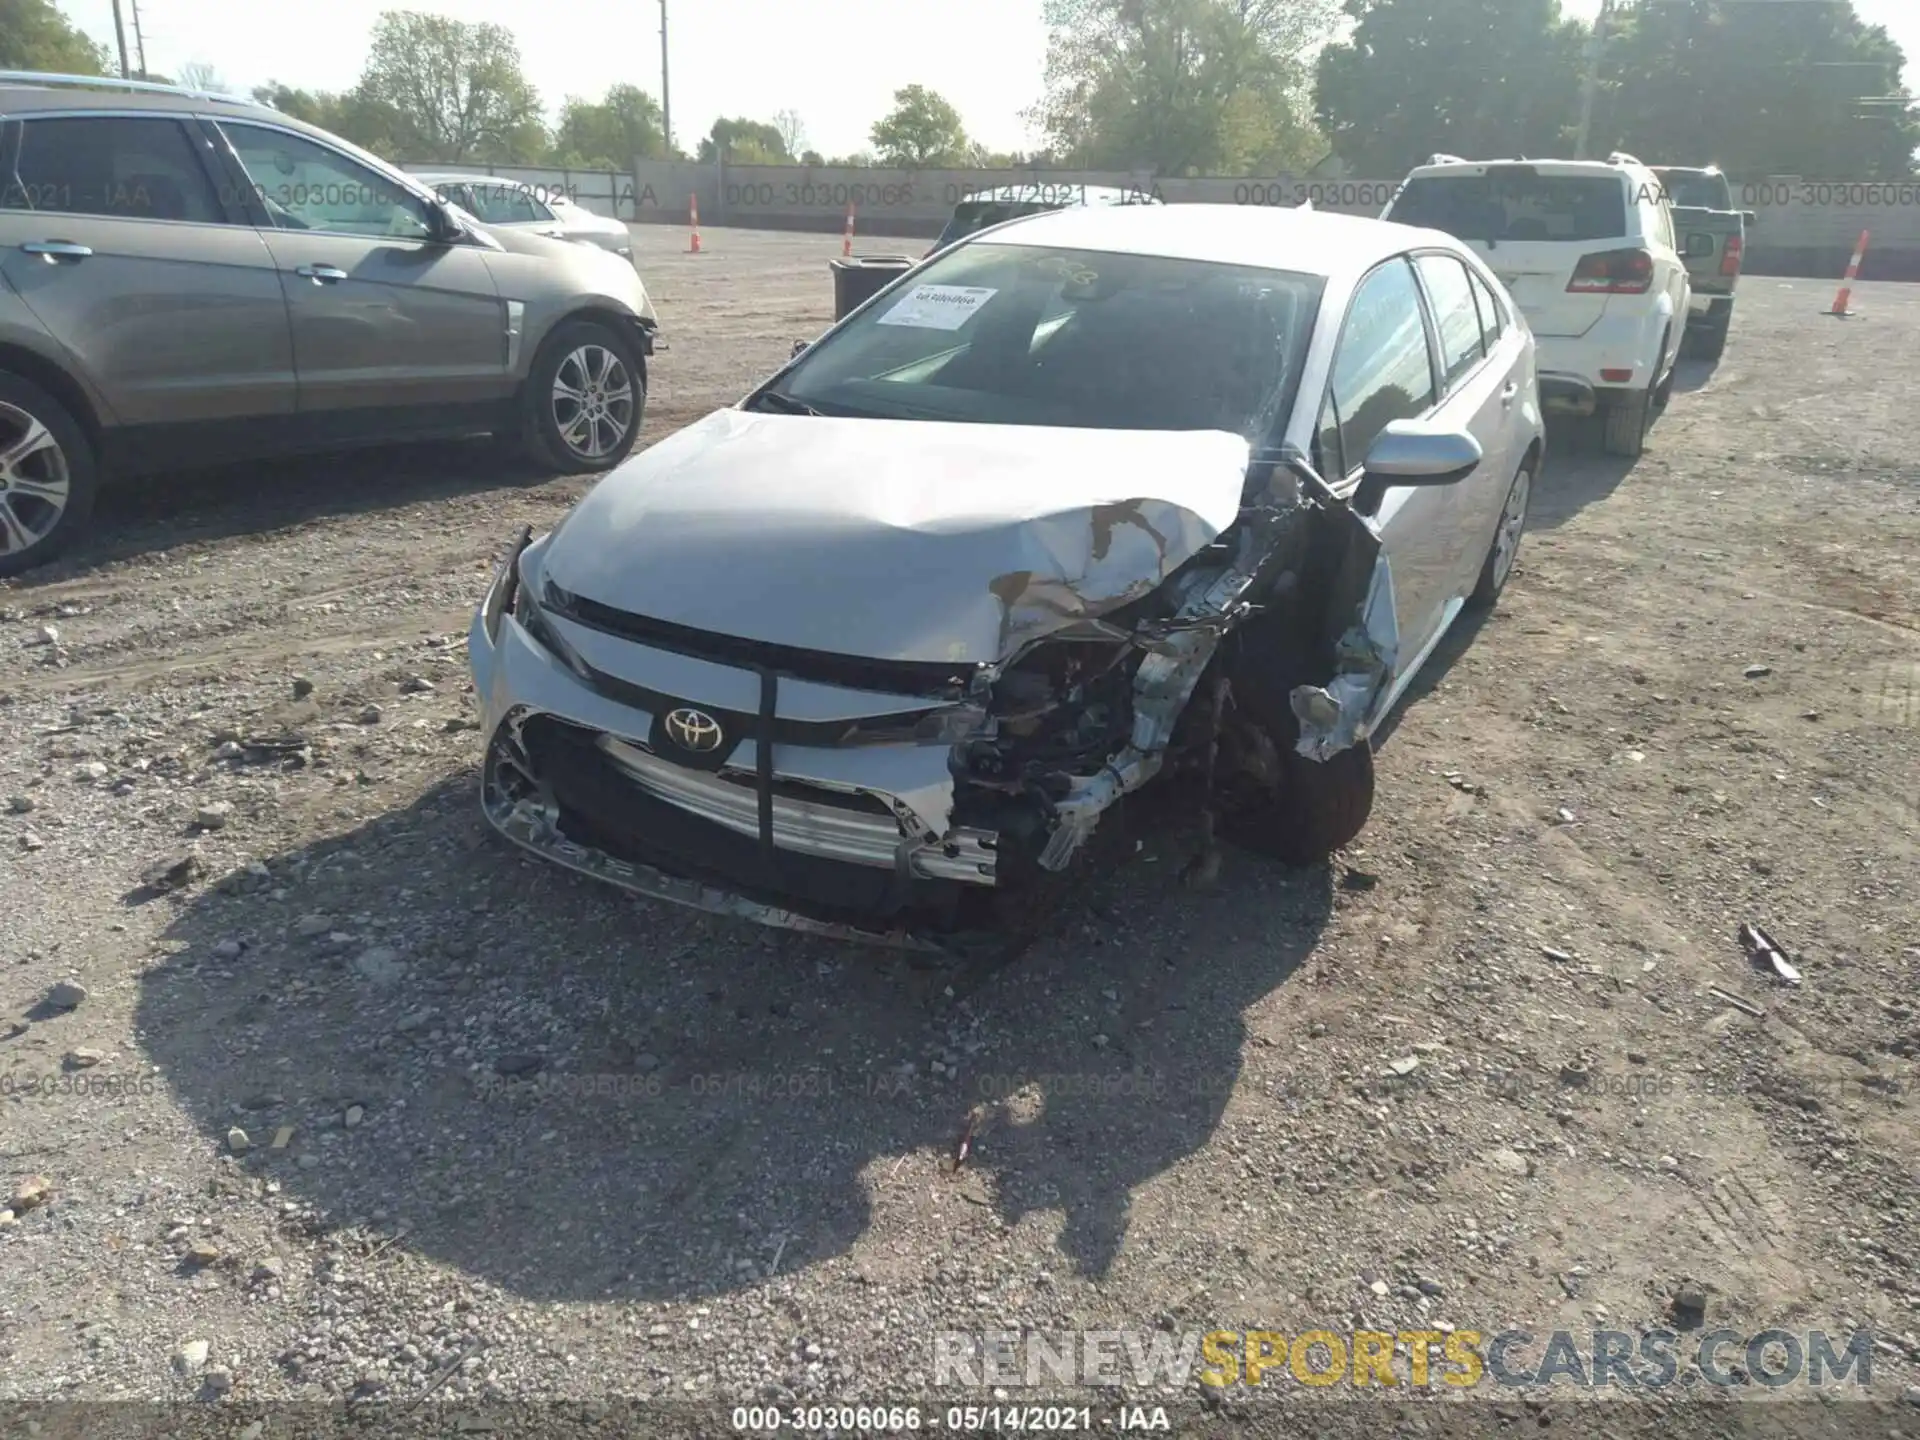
<point>858,278</point>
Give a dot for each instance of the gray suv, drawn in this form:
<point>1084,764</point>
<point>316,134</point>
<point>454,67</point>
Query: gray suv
<point>188,278</point>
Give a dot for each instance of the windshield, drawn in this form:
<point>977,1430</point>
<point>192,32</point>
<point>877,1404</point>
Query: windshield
<point>1027,335</point>
<point>1696,189</point>
<point>1521,205</point>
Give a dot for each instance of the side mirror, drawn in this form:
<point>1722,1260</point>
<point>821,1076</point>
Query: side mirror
<point>1748,216</point>
<point>447,229</point>
<point>798,346</point>
<point>1411,452</point>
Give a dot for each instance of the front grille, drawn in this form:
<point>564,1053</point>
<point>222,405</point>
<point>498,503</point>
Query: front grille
<point>922,679</point>
<point>600,806</point>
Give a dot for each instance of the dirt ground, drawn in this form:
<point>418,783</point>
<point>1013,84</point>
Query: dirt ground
<point>717,1168</point>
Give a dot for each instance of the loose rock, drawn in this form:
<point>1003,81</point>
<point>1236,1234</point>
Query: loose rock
<point>381,964</point>
<point>174,871</point>
<point>237,1141</point>
<point>302,687</point>
<point>213,816</point>
<point>191,1356</point>
<point>83,1058</point>
<point>31,1193</point>
<point>67,995</point>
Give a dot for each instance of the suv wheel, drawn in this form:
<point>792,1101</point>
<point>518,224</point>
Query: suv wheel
<point>1626,424</point>
<point>584,399</point>
<point>47,478</point>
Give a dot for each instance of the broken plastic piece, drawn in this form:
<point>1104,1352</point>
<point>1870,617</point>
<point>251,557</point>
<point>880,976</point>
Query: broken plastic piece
<point>1762,950</point>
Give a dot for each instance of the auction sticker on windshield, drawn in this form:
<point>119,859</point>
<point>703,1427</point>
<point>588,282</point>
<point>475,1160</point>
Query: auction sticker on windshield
<point>938,307</point>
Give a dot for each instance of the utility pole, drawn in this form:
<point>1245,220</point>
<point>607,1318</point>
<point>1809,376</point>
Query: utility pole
<point>1596,46</point>
<point>120,38</point>
<point>139,40</point>
<point>666,97</point>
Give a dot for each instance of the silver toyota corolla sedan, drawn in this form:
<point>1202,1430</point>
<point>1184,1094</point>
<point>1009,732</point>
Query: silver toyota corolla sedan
<point>496,201</point>
<point>1173,498</point>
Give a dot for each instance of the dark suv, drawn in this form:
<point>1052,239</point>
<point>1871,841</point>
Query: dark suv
<point>187,278</point>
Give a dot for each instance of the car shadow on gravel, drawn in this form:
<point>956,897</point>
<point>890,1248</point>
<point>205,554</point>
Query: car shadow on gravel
<point>576,1095</point>
<point>156,513</point>
<point>1577,472</point>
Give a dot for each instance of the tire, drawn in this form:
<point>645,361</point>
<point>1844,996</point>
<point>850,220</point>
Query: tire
<point>47,486</point>
<point>1626,424</point>
<point>582,355</point>
<point>1505,546</point>
<point>1322,804</point>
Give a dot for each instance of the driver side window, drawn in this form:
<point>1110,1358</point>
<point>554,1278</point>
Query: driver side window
<point>306,186</point>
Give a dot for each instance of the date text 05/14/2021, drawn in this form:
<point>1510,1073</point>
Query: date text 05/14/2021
<point>953,1419</point>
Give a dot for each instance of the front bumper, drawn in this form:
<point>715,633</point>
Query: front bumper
<point>856,843</point>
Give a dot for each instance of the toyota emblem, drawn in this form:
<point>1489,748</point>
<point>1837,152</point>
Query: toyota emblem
<point>694,730</point>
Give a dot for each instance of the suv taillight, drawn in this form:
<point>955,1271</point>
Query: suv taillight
<point>1613,272</point>
<point>1730,257</point>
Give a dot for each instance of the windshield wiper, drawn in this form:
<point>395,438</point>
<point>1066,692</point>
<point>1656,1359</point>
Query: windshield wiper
<point>784,403</point>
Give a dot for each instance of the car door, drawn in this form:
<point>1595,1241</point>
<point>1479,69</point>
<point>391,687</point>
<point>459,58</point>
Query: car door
<point>394,329</point>
<point>1480,393</point>
<point>115,234</point>
<point>1383,370</point>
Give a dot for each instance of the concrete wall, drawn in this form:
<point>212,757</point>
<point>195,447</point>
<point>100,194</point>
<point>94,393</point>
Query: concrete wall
<point>609,192</point>
<point>1800,228</point>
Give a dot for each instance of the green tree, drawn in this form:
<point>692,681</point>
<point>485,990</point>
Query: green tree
<point>923,129</point>
<point>745,142</point>
<point>34,35</point>
<point>1756,89</point>
<point>608,134</point>
<point>449,91</point>
<point>1478,78</point>
<point>1182,86</point>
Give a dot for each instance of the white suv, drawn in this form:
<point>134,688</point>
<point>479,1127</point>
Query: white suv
<point>1586,248</point>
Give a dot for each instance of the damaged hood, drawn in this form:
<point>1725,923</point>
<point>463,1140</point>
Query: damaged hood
<point>895,539</point>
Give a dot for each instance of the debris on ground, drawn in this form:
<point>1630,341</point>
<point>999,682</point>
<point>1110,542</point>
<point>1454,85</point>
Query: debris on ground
<point>1765,953</point>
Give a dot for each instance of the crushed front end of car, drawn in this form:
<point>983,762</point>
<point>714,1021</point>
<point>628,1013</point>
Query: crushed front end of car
<point>831,703</point>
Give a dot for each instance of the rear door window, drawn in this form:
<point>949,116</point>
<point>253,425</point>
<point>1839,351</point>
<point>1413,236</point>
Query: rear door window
<point>1516,204</point>
<point>1382,371</point>
<point>1450,293</point>
<point>131,167</point>
<point>1493,313</point>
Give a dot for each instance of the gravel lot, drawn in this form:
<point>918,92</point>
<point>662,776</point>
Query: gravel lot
<point>368,1105</point>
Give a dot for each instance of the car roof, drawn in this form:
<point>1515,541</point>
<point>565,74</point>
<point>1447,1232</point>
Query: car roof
<point>18,95</point>
<point>1454,169</point>
<point>468,175</point>
<point>1314,242</point>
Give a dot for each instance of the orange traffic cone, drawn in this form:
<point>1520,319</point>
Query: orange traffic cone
<point>693,210</point>
<point>1853,273</point>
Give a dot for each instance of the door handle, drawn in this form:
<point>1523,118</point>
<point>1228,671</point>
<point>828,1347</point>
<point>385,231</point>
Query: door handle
<point>1513,389</point>
<point>321,274</point>
<point>58,249</point>
<point>555,234</point>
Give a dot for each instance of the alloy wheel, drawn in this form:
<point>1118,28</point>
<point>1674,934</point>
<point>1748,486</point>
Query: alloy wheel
<point>34,480</point>
<point>593,401</point>
<point>1513,520</point>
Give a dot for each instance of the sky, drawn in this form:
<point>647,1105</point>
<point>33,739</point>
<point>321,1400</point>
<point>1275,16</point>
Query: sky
<point>729,57</point>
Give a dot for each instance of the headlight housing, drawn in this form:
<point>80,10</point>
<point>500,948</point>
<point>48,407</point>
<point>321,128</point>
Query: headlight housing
<point>506,583</point>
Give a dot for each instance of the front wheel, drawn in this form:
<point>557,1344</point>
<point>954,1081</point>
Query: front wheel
<point>584,399</point>
<point>47,476</point>
<point>1322,806</point>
